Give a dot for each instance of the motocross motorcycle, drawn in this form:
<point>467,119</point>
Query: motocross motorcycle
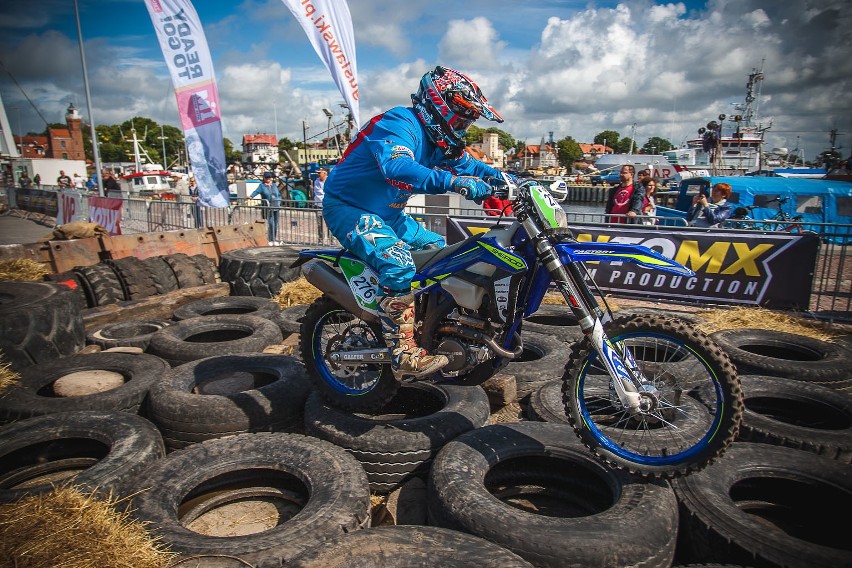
<point>647,393</point>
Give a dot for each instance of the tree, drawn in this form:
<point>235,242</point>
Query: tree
<point>608,138</point>
<point>232,155</point>
<point>625,146</point>
<point>657,145</point>
<point>569,152</point>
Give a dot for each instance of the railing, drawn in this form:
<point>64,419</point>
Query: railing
<point>831,293</point>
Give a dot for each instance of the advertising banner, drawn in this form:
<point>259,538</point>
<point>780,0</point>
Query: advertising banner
<point>36,201</point>
<point>106,212</point>
<point>328,25</point>
<point>70,207</point>
<point>773,270</point>
<point>188,58</point>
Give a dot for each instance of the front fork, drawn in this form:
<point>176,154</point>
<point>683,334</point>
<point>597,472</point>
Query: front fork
<point>627,377</point>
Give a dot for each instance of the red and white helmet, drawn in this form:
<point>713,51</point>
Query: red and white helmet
<point>447,103</point>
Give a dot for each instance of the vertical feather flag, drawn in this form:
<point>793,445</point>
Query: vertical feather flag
<point>188,59</point>
<point>328,25</point>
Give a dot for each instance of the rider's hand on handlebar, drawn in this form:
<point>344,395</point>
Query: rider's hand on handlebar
<point>471,187</point>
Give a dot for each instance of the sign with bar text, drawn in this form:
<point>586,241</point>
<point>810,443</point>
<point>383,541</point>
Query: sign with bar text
<point>328,26</point>
<point>773,270</point>
<point>106,212</point>
<point>187,56</point>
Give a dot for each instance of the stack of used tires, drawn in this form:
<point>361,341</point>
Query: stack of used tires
<point>230,453</point>
<point>129,278</point>
<point>259,271</point>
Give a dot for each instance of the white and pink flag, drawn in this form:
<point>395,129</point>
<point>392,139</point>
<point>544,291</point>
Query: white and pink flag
<point>328,25</point>
<point>188,59</point>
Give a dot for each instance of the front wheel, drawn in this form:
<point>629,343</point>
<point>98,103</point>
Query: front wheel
<point>360,387</point>
<point>692,399</point>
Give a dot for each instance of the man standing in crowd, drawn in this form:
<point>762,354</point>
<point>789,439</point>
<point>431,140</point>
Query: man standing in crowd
<point>319,193</point>
<point>63,180</point>
<point>625,200</point>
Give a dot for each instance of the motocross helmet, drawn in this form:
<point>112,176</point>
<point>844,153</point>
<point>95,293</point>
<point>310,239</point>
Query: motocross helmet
<point>447,103</point>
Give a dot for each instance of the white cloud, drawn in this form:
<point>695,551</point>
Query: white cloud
<point>471,44</point>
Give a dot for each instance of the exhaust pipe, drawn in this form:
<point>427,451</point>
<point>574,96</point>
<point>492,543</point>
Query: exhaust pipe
<point>335,287</point>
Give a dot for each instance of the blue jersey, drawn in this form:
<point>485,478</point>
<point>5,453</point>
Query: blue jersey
<point>391,159</point>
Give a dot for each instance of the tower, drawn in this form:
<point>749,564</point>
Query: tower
<point>75,130</point>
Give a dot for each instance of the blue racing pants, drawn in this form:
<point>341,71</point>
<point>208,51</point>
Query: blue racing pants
<point>384,245</point>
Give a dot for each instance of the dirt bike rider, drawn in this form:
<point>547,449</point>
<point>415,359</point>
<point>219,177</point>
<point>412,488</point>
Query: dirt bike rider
<point>403,151</point>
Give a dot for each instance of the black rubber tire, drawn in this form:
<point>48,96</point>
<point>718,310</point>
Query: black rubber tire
<point>766,505</point>
<point>135,277</point>
<point>578,512</point>
<point>207,336</point>
<point>71,279</point>
<point>790,355</point>
<point>186,271</point>
<point>162,273</point>
<point>230,305</point>
<point>133,333</point>
<point>543,360</point>
<point>797,414</point>
<point>207,267</point>
<point>39,322</point>
<point>545,404</point>
<point>290,320</point>
<point>406,547</point>
<point>553,319</point>
<point>400,441</point>
<point>259,271</point>
<point>272,399</point>
<point>108,449</point>
<point>33,394</point>
<point>329,486</point>
<point>101,284</point>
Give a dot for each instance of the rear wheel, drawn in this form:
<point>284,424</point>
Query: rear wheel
<point>692,398</point>
<point>327,327</point>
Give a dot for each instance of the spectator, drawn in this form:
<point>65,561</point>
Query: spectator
<point>271,202</point>
<point>319,193</point>
<point>37,180</point>
<point>24,181</point>
<point>649,207</point>
<point>79,183</point>
<point>712,213</point>
<point>63,180</point>
<point>643,175</point>
<point>197,213</point>
<point>110,183</point>
<point>624,201</point>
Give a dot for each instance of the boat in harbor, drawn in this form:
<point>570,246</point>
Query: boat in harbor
<point>148,179</point>
<point>731,151</point>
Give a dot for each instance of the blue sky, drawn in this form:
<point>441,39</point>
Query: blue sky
<point>571,68</point>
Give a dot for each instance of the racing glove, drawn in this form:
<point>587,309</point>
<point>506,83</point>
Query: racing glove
<point>471,187</point>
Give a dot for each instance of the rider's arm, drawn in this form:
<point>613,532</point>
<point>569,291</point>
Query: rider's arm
<point>467,165</point>
<point>401,155</point>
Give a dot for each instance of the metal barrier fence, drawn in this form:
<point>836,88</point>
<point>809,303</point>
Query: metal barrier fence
<point>831,293</point>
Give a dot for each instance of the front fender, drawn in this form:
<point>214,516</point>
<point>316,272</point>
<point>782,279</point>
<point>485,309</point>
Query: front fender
<point>620,252</point>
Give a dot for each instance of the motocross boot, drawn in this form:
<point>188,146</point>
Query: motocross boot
<point>407,358</point>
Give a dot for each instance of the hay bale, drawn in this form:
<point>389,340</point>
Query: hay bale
<point>297,292</point>
<point>760,318</point>
<point>8,377</point>
<point>72,529</point>
<point>22,269</point>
